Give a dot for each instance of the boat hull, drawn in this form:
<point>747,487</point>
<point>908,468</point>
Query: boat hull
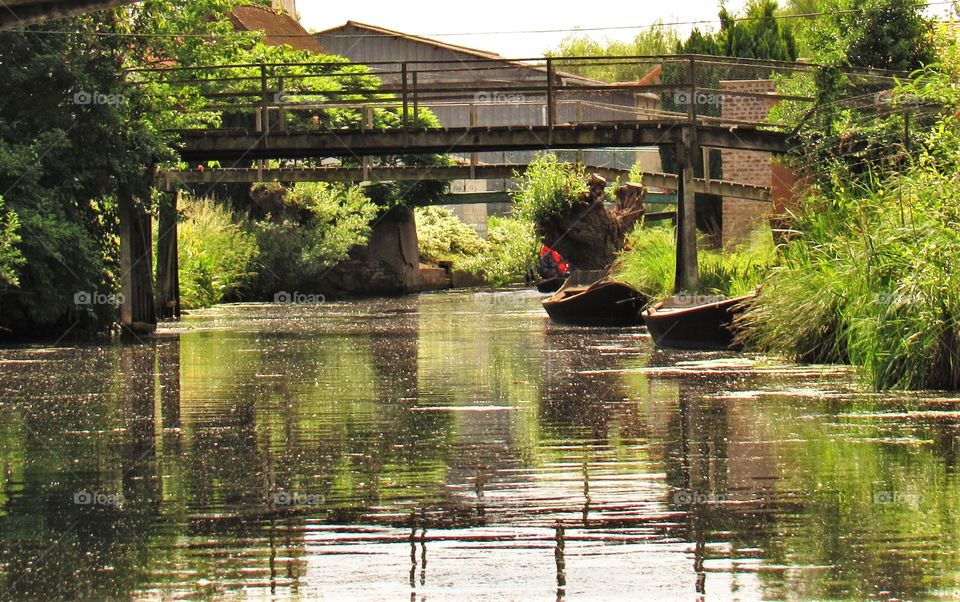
<point>707,327</point>
<point>602,304</point>
<point>549,285</point>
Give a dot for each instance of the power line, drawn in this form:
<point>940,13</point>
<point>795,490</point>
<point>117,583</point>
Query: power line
<point>658,24</point>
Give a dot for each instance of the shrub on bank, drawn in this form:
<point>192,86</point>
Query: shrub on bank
<point>506,256</point>
<point>511,253</point>
<point>442,236</point>
<point>10,256</point>
<point>320,225</point>
<point>549,187</point>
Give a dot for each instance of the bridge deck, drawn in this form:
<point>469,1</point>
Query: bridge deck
<point>240,145</point>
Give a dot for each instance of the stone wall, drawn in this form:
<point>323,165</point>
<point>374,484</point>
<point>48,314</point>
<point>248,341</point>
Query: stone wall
<point>740,216</point>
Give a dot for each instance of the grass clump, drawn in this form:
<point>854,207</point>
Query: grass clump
<point>872,282</point>
<point>217,255</point>
<point>649,264</point>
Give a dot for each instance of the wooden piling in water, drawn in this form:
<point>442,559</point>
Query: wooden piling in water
<point>137,310</point>
<point>168,259</point>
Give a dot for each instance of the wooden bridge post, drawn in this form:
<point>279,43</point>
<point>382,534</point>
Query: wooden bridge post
<point>168,261</point>
<point>687,272</point>
<point>366,126</point>
<point>416,100</point>
<point>137,311</point>
<point>688,154</point>
<point>281,112</point>
<point>551,95</point>
<point>474,156</point>
<point>263,113</point>
<point>405,92</point>
<point>264,100</point>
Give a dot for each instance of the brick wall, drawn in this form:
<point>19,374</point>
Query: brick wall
<point>747,167</point>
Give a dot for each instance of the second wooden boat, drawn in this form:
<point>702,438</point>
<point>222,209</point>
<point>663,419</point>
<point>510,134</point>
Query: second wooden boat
<point>549,285</point>
<point>704,326</point>
<point>603,303</point>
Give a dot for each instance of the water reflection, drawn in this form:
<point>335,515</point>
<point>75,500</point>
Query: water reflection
<point>459,444</point>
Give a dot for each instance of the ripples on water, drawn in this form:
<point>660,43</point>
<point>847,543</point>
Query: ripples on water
<point>458,445</point>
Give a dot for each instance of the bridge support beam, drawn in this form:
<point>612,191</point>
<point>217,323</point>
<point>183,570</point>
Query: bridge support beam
<point>137,310</point>
<point>687,271</point>
<point>168,258</point>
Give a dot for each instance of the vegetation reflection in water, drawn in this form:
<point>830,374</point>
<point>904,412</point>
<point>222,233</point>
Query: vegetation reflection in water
<point>460,444</point>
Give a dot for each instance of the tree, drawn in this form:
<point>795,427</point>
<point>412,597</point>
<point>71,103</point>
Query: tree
<point>658,40</point>
<point>81,128</point>
<point>879,34</point>
<point>759,35</point>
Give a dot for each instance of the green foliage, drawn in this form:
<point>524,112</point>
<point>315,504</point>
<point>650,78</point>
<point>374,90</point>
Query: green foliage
<point>760,36</point>
<point>658,40</point>
<point>872,279</point>
<point>62,165</point>
<point>10,256</point>
<point>217,255</point>
<point>880,34</point>
<point>443,237</point>
<point>547,189</point>
<point>506,256</point>
<point>842,141</point>
<point>511,252</point>
<point>296,253</point>
<point>649,264</point>
<point>757,35</point>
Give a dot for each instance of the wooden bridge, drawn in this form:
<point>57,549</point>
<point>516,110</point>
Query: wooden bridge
<point>269,114</point>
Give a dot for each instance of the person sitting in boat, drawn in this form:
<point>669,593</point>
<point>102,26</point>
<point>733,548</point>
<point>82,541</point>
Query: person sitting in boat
<point>551,264</point>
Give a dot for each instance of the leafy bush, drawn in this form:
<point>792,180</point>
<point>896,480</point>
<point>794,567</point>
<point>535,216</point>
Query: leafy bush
<point>297,251</point>
<point>217,255</point>
<point>10,256</point>
<point>511,253</point>
<point>443,237</point>
<point>548,188</point>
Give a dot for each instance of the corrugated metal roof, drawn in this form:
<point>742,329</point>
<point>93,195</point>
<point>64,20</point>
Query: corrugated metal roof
<point>481,54</point>
<point>280,28</point>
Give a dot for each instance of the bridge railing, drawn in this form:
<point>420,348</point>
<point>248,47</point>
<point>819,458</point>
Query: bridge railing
<point>552,92</point>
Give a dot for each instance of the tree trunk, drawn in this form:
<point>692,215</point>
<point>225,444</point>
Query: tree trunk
<point>589,236</point>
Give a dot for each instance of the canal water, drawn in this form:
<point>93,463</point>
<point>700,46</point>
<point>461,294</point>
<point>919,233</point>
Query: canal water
<point>460,446</point>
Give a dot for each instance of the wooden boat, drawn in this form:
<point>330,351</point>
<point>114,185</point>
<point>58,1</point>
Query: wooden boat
<point>550,285</point>
<point>603,303</point>
<point>703,326</point>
